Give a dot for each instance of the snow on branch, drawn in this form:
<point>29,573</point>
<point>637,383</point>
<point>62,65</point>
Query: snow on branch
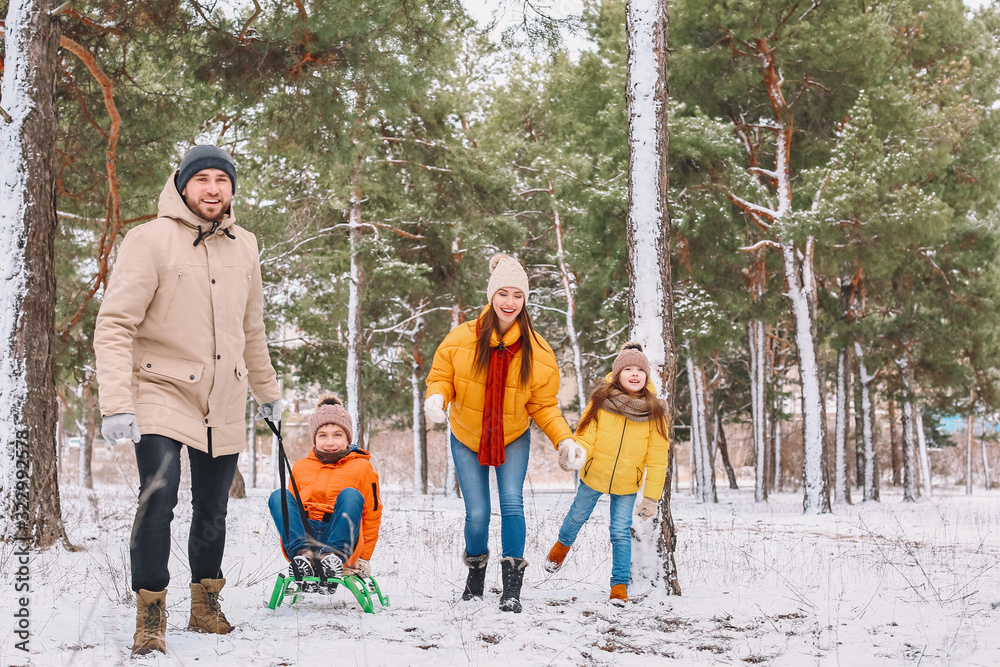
<point>426,167</point>
<point>765,243</point>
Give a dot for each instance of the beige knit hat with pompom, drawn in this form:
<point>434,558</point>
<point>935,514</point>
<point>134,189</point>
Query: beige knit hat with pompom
<point>505,271</point>
<point>330,410</point>
<point>631,355</point>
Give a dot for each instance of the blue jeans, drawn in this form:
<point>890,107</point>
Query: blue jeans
<point>474,480</point>
<point>338,532</point>
<point>621,524</point>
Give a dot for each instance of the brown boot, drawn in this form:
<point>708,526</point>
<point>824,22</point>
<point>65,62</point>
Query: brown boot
<point>206,615</point>
<point>150,622</point>
<point>557,554</point>
<point>619,595</point>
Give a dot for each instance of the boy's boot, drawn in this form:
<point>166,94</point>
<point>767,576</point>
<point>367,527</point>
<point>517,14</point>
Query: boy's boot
<point>557,554</point>
<point>150,622</point>
<point>206,615</point>
<point>619,595</point>
<point>332,567</point>
<point>476,580</point>
<point>512,570</point>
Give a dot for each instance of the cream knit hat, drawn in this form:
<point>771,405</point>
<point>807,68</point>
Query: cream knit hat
<point>505,271</point>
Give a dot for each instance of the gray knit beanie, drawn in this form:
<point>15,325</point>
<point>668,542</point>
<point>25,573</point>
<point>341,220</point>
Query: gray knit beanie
<point>631,355</point>
<point>505,271</point>
<point>205,157</point>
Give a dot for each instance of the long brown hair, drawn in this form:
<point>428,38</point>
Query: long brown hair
<point>487,324</point>
<point>657,413</point>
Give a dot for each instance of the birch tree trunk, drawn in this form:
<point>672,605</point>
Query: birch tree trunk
<point>894,444</point>
<point>697,447</point>
<point>910,493</point>
<point>706,467</point>
<point>420,473</point>
<point>841,488</point>
<point>569,291</point>
<point>777,454</point>
<point>758,394</point>
<point>451,488</point>
<point>648,232</point>
<point>925,464</point>
<point>355,341</point>
<point>871,489</point>
<point>986,465</point>
<point>29,485</point>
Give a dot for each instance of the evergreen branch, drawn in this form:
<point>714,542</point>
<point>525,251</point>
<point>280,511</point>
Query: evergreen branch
<point>246,26</point>
<point>415,164</point>
<point>69,11</point>
<point>299,244</point>
<point>756,212</point>
<point>760,244</point>
<point>533,191</point>
<point>113,223</point>
<point>417,315</point>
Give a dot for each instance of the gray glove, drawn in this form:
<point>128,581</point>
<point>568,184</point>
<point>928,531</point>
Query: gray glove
<point>270,411</point>
<point>119,427</point>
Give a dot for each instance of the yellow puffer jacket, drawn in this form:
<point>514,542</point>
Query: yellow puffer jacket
<point>453,375</point>
<point>619,451</point>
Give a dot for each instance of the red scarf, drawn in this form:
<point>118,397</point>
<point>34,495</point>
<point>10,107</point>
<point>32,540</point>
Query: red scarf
<point>491,444</point>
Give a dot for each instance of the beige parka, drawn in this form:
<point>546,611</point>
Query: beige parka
<point>180,332</point>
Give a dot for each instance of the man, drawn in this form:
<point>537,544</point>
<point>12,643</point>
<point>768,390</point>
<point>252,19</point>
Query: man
<point>179,336</point>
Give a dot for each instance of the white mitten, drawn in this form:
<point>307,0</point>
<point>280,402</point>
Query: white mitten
<point>571,455</point>
<point>647,509</point>
<point>434,409</point>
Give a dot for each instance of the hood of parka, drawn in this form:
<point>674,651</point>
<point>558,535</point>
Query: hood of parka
<point>172,205</point>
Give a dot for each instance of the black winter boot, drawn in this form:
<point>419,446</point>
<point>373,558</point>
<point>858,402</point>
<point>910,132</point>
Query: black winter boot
<point>512,570</point>
<point>477,575</point>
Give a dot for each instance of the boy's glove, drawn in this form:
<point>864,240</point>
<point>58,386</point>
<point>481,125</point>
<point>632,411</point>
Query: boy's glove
<point>434,409</point>
<point>571,455</point>
<point>270,411</point>
<point>120,426</point>
<point>647,509</point>
<point>361,568</point>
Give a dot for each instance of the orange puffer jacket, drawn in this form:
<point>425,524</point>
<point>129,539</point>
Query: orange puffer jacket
<point>454,376</point>
<point>319,484</point>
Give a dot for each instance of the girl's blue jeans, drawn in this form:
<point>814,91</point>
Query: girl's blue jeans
<point>474,480</point>
<point>338,533</point>
<point>621,524</point>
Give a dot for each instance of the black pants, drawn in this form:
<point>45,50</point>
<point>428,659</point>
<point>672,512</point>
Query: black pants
<point>159,461</point>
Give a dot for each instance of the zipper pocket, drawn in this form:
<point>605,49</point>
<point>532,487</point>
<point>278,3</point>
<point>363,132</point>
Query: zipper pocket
<point>173,293</point>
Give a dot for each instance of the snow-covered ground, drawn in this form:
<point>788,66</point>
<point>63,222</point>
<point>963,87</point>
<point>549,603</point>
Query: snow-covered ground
<point>878,584</point>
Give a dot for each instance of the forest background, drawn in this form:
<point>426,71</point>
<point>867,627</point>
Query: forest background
<point>388,149</point>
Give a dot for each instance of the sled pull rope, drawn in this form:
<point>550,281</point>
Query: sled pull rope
<point>283,463</point>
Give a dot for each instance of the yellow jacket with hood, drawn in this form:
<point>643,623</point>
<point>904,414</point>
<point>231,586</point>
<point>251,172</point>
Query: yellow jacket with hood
<point>454,376</point>
<point>620,451</point>
<point>180,333</point>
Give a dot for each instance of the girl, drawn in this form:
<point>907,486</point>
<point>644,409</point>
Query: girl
<point>624,431</point>
<point>498,375</point>
<point>340,492</point>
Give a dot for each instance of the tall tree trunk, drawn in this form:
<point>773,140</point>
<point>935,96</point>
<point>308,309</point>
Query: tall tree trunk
<point>696,446</point>
<point>84,474</point>
<point>871,489</point>
<point>910,493</point>
<point>859,435</point>
<point>451,488</point>
<point>651,300</point>
<point>971,431</point>
<point>420,472</point>
<point>355,337</point>
<point>894,444</point>
<point>986,465</point>
<point>724,450</point>
<point>29,484</point>
<point>776,429</point>
<point>758,396</point>
<point>925,463</point>
<point>569,292</point>
<point>252,442</point>
<point>841,487</point>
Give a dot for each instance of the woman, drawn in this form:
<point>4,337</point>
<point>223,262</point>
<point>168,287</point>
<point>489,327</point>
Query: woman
<point>498,375</point>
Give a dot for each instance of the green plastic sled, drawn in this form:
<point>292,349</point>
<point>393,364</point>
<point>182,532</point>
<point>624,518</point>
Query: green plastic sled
<point>361,588</point>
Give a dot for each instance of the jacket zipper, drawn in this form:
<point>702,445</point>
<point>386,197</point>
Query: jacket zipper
<point>173,294</point>
<point>617,456</point>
